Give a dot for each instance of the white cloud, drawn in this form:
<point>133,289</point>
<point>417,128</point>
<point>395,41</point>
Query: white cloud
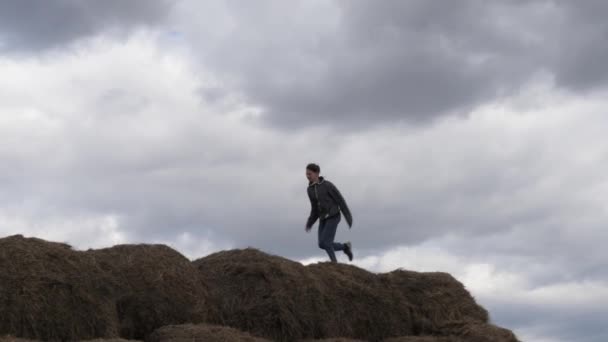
<point>81,232</point>
<point>194,246</point>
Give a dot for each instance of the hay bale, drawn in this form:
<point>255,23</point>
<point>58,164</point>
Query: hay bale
<point>109,340</point>
<point>464,332</point>
<point>202,333</point>
<point>438,298</point>
<point>478,332</point>
<point>337,339</point>
<point>283,300</point>
<point>8,338</point>
<point>158,286</point>
<point>48,291</point>
<point>425,339</point>
<point>16,339</point>
<point>214,333</point>
<point>248,290</point>
<point>358,304</point>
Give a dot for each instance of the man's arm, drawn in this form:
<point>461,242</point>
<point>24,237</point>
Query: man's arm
<point>335,193</point>
<point>314,213</point>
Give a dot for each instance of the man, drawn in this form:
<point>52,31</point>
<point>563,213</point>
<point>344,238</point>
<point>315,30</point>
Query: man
<point>326,204</point>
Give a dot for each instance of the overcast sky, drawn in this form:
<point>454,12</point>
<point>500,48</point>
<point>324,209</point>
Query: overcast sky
<point>466,136</point>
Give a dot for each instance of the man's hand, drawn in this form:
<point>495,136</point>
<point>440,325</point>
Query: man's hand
<point>307,228</point>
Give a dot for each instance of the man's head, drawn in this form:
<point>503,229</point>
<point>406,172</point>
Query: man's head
<point>312,172</point>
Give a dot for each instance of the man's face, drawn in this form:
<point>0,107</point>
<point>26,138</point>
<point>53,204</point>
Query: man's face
<point>311,176</point>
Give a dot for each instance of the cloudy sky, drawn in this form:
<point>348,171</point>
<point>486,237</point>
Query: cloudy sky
<point>467,136</point>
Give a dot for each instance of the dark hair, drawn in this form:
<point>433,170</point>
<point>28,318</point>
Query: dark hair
<point>313,167</point>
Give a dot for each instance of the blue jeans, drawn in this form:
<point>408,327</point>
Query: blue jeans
<point>327,234</point>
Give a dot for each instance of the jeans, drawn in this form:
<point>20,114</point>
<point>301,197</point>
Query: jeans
<point>327,234</point>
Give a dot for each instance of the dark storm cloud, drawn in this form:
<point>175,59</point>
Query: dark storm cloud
<point>582,44</point>
<point>359,63</point>
<point>383,60</point>
<point>405,59</point>
<point>31,25</point>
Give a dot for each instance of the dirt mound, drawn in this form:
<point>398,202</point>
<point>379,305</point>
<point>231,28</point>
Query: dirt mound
<point>49,291</point>
<point>201,332</point>
<point>283,300</point>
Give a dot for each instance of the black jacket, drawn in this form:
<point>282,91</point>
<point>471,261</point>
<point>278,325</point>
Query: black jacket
<point>326,201</point>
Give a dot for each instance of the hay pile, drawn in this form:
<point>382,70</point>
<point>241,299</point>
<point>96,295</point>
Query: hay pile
<point>12,339</point>
<point>158,286</point>
<point>335,339</point>
<point>217,333</point>
<point>201,332</point>
<point>426,339</point>
<point>282,300</point>
<point>16,339</point>
<point>49,291</point>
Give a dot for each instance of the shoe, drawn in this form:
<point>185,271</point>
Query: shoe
<point>348,250</point>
